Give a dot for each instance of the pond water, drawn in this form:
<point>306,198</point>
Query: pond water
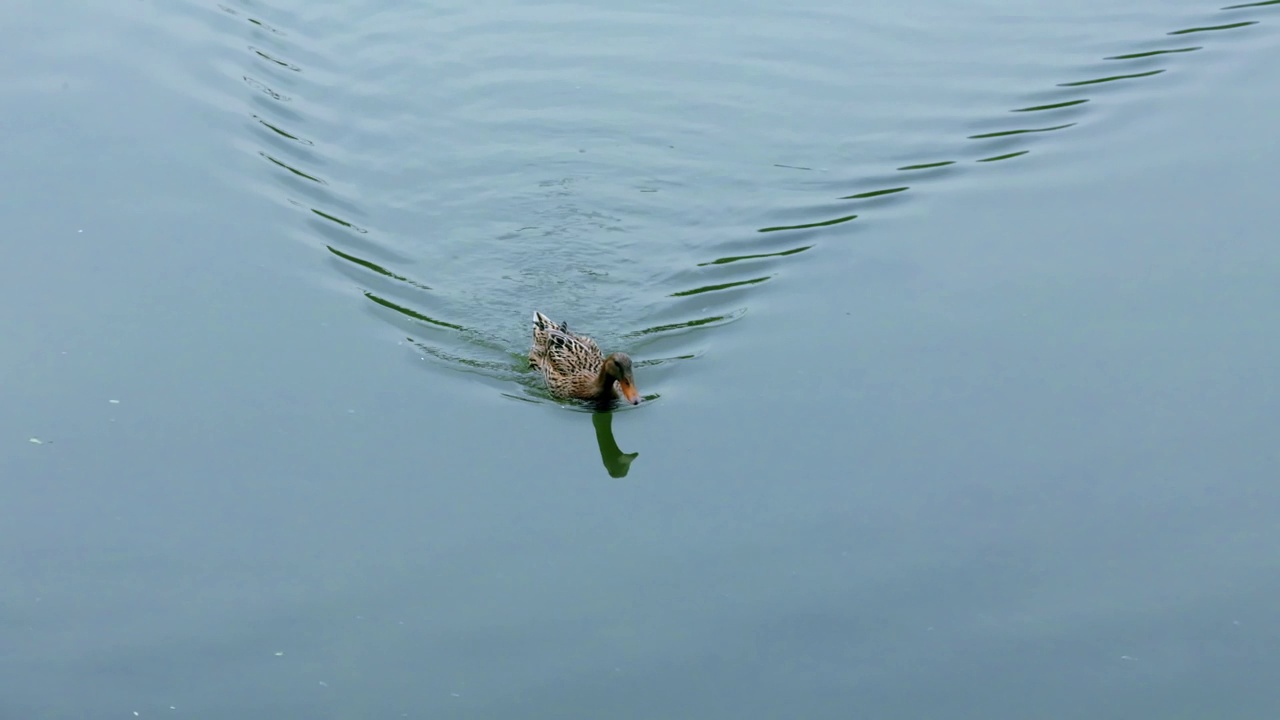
<point>956,325</point>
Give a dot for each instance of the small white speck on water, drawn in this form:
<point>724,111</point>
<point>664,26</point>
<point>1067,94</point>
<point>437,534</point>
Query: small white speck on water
<point>279,654</point>
<point>1128,657</point>
<point>35,441</point>
<point>80,231</point>
<point>114,402</point>
<point>324,684</point>
<point>135,713</point>
<point>455,694</point>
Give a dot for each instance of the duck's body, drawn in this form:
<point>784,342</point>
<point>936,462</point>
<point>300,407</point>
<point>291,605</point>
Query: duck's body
<point>574,367</point>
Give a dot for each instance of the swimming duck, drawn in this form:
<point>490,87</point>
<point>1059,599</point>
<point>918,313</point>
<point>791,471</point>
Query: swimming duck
<point>574,367</point>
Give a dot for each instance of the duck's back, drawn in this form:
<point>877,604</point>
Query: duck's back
<point>569,362</point>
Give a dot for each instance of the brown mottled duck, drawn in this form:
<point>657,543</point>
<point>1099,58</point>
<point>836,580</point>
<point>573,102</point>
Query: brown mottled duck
<point>574,367</point>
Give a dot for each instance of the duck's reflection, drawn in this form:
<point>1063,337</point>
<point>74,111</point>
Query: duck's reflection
<point>615,461</point>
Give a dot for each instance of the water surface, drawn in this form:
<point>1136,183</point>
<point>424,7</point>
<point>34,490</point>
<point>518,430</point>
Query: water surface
<point>957,328</point>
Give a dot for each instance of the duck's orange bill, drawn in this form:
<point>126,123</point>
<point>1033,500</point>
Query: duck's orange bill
<point>629,392</point>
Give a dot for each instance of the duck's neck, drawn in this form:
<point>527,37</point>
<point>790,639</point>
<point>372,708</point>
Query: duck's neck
<point>604,384</point>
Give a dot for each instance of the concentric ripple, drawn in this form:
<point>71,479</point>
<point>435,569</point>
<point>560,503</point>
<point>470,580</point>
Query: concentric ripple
<point>639,171</point>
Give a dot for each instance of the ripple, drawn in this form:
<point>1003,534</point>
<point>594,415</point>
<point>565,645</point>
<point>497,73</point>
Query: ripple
<point>639,172</point>
<point>1111,78</point>
<point>1214,28</point>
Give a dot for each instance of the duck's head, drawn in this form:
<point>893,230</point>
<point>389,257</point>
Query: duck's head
<point>617,368</point>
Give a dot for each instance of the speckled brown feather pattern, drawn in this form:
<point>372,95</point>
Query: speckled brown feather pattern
<point>569,363</point>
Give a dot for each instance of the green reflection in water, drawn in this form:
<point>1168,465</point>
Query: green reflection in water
<point>700,322</point>
<point>1214,28</point>
<point>1111,78</point>
<point>1052,106</point>
<point>757,256</point>
<point>408,312</point>
<point>824,223</point>
<point>616,462</point>
<point>1153,53</point>
<point>283,133</point>
<point>281,63</point>
<point>877,193</point>
<point>928,166</point>
<point>998,158</point>
<point>721,286</point>
<point>338,220</point>
<point>375,267</point>
<point>262,25</point>
<point>293,170</point>
<point>1026,131</point>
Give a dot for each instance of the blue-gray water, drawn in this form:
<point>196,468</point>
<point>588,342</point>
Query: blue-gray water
<point>1003,445</point>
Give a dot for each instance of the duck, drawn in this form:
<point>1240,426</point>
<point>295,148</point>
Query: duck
<point>573,365</point>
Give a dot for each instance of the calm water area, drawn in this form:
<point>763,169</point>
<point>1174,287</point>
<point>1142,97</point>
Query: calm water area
<point>958,327</point>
